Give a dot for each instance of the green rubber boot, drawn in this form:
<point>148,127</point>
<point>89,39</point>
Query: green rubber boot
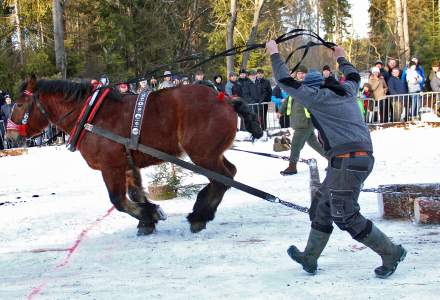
<point>309,258</point>
<point>390,253</point>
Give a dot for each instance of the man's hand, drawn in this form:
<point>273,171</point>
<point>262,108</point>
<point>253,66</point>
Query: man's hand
<point>272,47</point>
<point>339,52</point>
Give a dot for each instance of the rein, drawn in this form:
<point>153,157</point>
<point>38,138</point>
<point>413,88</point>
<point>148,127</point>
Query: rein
<point>291,34</point>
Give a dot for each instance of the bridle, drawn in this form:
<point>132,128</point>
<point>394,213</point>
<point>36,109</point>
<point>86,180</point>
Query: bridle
<point>24,123</point>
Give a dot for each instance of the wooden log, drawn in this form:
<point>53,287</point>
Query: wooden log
<point>13,152</point>
<point>315,182</point>
<point>397,200</point>
<point>427,210</point>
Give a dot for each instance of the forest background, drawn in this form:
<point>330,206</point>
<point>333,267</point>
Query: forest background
<point>126,38</point>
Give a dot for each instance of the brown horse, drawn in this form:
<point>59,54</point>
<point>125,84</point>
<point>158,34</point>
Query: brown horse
<point>189,119</point>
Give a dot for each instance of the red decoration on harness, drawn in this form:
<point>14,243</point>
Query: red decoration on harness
<point>221,96</point>
<point>10,125</point>
<point>28,93</point>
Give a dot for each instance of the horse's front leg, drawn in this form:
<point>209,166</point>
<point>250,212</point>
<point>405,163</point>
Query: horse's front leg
<point>146,212</point>
<point>136,193</point>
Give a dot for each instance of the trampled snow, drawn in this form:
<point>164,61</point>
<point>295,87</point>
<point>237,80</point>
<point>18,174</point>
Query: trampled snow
<point>241,254</point>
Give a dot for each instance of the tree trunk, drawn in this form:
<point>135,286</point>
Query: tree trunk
<point>58,32</point>
<point>230,36</point>
<point>401,44</point>
<point>405,30</point>
<point>18,32</point>
<point>255,22</point>
<point>40,25</point>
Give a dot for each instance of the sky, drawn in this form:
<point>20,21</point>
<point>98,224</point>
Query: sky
<point>360,17</point>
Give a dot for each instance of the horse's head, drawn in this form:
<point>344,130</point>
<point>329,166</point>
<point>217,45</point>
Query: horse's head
<point>28,116</point>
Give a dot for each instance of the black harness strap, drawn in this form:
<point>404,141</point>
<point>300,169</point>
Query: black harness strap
<point>197,169</point>
<point>138,116</point>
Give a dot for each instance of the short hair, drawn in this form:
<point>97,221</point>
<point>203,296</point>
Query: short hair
<point>199,72</point>
<point>260,71</point>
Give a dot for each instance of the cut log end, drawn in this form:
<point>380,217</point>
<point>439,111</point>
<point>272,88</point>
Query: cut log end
<point>427,210</point>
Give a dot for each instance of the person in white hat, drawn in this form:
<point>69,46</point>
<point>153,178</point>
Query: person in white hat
<point>167,81</point>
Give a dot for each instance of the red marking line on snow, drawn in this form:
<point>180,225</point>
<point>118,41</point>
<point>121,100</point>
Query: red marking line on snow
<point>71,250</point>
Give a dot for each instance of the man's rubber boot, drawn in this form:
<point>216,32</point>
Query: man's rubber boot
<point>315,245</point>
<point>390,253</point>
<point>290,170</point>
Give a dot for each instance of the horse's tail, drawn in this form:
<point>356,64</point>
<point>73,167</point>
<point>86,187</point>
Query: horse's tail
<point>250,119</point>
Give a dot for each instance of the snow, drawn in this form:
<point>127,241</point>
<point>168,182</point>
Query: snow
<point>241,254</point>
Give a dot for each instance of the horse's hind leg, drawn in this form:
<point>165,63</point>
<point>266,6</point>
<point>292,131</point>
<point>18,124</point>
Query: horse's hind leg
<point>145,212</point>
<point>209,198</point>
<point>136,193</point>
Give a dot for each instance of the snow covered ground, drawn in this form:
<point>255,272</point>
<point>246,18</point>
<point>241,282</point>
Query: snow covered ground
<point>241,254</point>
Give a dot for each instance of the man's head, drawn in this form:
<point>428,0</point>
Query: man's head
<point>313,79</point>
<point>260,73</point>
<point>199,75</point>
<point>243,73</point>
<point>8,99</point>
<point>143,84</point>
<point>415,60</point>
<point>326,71</point>
<point>232,76</point>
<point>167,76</point>
<point>412,65</point>
<point>301,72</point>
<point>392,63</point>
<point>379,64</point>
<point>252,75</point>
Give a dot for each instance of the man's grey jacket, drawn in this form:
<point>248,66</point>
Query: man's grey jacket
<point>335,112</point>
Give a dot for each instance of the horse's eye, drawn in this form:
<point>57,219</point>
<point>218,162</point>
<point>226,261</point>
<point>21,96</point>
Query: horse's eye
<point>19,104</point>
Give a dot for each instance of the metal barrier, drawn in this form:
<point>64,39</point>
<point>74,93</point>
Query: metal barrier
<point>401,108</point>
<point>391,109</point>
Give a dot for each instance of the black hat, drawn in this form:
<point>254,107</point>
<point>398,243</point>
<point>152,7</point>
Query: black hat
<point>326,67</point>
<point>243,71</point>
<point>378,62</point>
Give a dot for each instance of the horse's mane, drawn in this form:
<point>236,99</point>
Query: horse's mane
<point>72,91</point>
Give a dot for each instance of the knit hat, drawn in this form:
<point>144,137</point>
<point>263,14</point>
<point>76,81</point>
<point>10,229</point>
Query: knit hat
<point>302,68</point>
<point>313,79</point>
<point>375,70</point>
<point>378,62</point>
<point>326,67</point>
<point>167,73</point>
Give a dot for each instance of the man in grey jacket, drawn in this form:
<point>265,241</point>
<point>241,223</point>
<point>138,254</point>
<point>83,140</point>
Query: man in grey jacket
<point>347,142</point>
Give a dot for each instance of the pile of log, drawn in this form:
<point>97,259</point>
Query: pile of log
<point>13,152</point>
<point>418,202</point>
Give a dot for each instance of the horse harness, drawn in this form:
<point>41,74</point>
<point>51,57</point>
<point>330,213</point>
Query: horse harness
<point>22,128</point>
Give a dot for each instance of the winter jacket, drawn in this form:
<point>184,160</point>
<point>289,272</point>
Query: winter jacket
<point>230,88</point>
<point>336,115</point>
<point>247,89</point>
<point>397,86</point>
<point>435,83</point>
<point>298,117</point>
<point>5,112</point>
<point>378,87</point>
<point>414,81</point>
<point>419,70</point>
<point>278,95</point>
<point>264,90</point>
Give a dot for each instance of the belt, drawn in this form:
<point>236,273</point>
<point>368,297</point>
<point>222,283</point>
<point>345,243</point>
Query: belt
<point>352,154</point>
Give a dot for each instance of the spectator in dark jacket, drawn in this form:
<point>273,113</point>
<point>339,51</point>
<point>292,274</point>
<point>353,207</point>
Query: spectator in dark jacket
<point>396,85</point>
<point>218,82</point>
<point>264,93</point>
<point>391,64</point>
<point>231,85</point>
<point>5,114</point>
<point>246,89</point>
<point>383,73</point>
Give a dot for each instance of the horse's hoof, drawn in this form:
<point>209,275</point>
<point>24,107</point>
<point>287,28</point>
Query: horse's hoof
<point>197,226</point>
<point>145,230</point>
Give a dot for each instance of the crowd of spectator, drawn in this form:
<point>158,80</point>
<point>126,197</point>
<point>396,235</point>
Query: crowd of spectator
<point>375,102</point>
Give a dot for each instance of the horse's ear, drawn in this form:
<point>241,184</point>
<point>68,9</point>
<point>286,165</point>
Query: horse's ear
<point>32,83</point>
